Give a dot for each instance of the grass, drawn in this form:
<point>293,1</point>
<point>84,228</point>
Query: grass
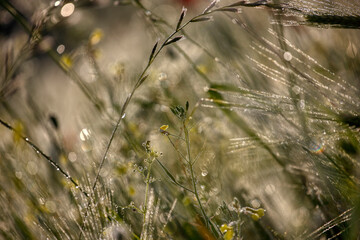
<point>232,120</point>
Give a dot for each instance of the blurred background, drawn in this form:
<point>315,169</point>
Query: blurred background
<point>273,92</point>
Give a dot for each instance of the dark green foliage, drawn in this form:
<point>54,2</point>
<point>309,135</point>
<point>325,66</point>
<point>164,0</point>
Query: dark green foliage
<point>334,21</point>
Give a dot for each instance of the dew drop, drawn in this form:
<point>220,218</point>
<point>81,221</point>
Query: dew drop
<point>204,173</point>
<point>51,206</point>
<point>351,50</point>
<point>255,203</point>
<point>18,175</point>
<point>123,116</point>
<point>162,76</point>
<point>217,212</point>
<point>60,49</point>
<point>67,10</point>
<point>302,104</point>
<point>270,189</point>
<point>72,156</point>
<point>316,147</point>
<point>85,134</point>
<point>32,168</point>
<point>287,56</point>
<point>27,139</point>
<point>296,90</point>
<point>57,3</point>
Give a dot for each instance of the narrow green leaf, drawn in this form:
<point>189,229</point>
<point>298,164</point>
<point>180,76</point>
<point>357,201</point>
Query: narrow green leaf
<point>182,15</point>
<point>141,81</point>
<point>172,177</point>
<point>212,4</point>
<point>153,51</point>
<point>240,3</point>
<point>166,171</point>
<point>201,19</point>
<point>227,10</point>
<point>173,40</point>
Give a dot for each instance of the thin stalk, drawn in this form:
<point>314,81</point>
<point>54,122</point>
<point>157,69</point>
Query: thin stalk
<point>138,83</point>
<point>146,191</point>
<point>21,19</point>
<point>172,177</point>
<point>208,222</point>
<point>176,149</point>
<point>39,151</point>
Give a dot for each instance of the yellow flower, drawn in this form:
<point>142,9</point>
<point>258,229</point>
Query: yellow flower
<point>67,61</point>
<point>228,231</point>
<point>163,129</point>
<point>96,36</point>
<point>255,214</point>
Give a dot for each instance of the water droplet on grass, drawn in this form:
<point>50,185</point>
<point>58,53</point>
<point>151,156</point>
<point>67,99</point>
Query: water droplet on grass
<point>296,89</point>
<point>85,134</point>
<point>316,147</point>
<point>287,56</point>
<point>302,104</point>
<point>204,173</point>
<point>60,49</point>
<point>67,10</point>
<point>162,76</point>
<point>72,156</point>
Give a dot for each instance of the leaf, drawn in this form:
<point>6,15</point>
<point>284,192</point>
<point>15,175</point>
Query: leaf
<point>201,19</point>
<point>227,10</point>
<point>153,51</point>
<point>334,20</point>
<point>166,171</point>
<point>182,15</point>
<point>141,81</point>
<point>179,111</point>
<point>172,177</point>
<point>173,40</point>
<point>212,4</point>
<point>351,120</point>
<point>240,3</point>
